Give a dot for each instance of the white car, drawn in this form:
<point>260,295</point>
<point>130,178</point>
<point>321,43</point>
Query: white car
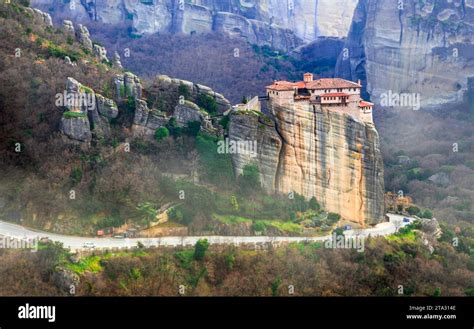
<point>90,245</point>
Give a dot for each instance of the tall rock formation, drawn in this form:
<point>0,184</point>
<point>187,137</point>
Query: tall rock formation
<point>421,47</point>
<point>280,24</point>
<point>312,151</point>
<point>86,113</point>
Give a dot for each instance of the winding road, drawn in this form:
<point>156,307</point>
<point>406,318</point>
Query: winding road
<point>76,243</point>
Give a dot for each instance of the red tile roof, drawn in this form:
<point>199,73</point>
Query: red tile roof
<point>335,95</point>
<point>329,83</point>
<point>365,104</point>
<point>283,85</point>
<point>300,84</point>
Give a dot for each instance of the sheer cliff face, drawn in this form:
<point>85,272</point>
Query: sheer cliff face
<point>423,47</point>
<point>263,20</point>
<point>316,152</point>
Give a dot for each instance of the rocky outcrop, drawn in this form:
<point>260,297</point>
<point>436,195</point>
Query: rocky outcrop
<point>87,113</point>
<point>40,16</point>
<point>282,24</point>
<point>99,116</point>
<point>68,26</point>
<point>83,36</point>
<point>80,98</point>
<point>117,61</point>
<point>251,126</point>
<point>188,112</point>
<point>66,280</point>
<point>166,86</point>
<point>323,49</point>
<point>127,85</point>
<point>100,53</point>
<point>177,98</point>
<point>315,152</point>
<point>193,19</point>
<point>141,113</point>
<point>146,121</point>
<point>76,128</point>
<point>431,227</point>
<point>440,178</point>
<point>401,50</point>
<point>256,32</point>
<point>67,60</point>
<point>106,107</point>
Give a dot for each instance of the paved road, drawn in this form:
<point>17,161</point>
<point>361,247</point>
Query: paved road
<point>77,243</point>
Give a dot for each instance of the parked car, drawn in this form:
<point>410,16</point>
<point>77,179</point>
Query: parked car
<point>406,220</point>
<point>90,245</point>
<point>119,236</point>
<point>347,227</point>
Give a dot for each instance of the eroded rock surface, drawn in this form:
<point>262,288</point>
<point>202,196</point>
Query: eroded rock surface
<point>281,24</point>
<point>402,49</point>
<point>316,152</point>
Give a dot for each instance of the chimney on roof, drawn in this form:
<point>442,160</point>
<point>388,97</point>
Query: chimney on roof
<point>308,77</point>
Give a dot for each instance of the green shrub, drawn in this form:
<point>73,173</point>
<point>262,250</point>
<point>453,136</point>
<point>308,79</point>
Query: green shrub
<point>469,292</point>
<point>426,214</point>
<point>208,103</point>
<point>175,214</point>
<point>200,249</point>
<point>131,104</point>
<point>224,122</point>
<point>147,211</point>
<point>258,226</point>
<point>394,258</point>
<point>313,204</point>
<point>193,128</point>
<point>173,128</point>
<point>230,260</point>
<point>250,178</point>
<point>413,210</point>
<point>338,231</point>
<point>161,133</point>
<point>299,203</point>
<point>275,286</point>
<point>76,175</point>
<point>183,90</point>
<point>71,115</point>
<point>416,225</point>
<point>333,217</point>
<point>111,221</point>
